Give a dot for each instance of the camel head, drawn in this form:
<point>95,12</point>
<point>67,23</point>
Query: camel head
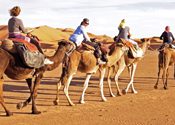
<point>65,44</point>
<point>147,40</point>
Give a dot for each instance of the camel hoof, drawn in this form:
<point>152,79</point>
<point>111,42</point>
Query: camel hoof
<point>165,88</point>
<point>55,102</point>
<point>155,87</point>
<point>71,104</point>
<point>19,105</point>
<point>112,95</point>
<point>119,94</point>
<point>135,92</point>
<point>35,112</point>
<point>104,99</point>
<point>82,102</point>
<point>9,113</point>
<point>124,92</point>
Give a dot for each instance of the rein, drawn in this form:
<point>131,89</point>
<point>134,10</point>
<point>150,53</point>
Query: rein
<point>153,49</point>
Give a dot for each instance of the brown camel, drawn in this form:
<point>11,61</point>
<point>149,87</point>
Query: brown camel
<point>174,71</point>
<point>10,67</point>
<point>86,62</point>
<point>168,59</point>
<point>131,63</point>
<point>160,68</point>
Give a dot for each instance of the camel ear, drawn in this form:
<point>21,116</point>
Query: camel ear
<point>62,42</point>
<point>142,40</point>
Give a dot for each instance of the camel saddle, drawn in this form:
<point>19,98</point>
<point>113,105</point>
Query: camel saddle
<point>24,51</point>
<point>29,46</point>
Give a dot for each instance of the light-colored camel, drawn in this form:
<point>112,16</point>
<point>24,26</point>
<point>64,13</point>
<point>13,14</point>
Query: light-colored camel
<point>9,66</point>
<point>87,63</point>
<point>160,68</point>
<point>131,63</point>
<point>168,60</point>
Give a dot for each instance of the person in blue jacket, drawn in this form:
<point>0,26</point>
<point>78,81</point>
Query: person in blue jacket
<point>80,35</point>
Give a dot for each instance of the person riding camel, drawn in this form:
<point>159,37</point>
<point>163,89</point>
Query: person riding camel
<point>167,37</point>
<point>124,33</point>
<point>80,35</point>
<point>16,28</point>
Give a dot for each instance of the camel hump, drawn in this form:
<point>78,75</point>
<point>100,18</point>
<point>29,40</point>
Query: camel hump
<point>8,45</point>
<point>84,47</point>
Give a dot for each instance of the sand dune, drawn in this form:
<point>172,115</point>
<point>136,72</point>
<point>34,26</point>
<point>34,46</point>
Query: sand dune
<point>148,107</point>
<point>3,32</point>
<point>50,35</point>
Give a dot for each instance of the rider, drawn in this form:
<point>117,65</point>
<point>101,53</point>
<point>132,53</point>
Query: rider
<point>80,35</point>
<point>15,27</point>
<point>167,37</point>
<point>124,32</point>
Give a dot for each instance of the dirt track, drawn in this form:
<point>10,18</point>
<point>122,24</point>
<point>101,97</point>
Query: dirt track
<point>148,107</point>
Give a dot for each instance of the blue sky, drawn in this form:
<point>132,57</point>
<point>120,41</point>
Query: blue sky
<point>146,18</point>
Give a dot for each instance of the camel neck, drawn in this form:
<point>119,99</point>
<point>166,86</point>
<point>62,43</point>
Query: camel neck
<point>144,47</point>
<point>115,56</point>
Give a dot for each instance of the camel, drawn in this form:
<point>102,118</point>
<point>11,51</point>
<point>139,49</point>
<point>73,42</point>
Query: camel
<point>10,67</point>
<point>174,71</point>
<point>87,63</point>
<point>167,60</point>
<point>131,64</point>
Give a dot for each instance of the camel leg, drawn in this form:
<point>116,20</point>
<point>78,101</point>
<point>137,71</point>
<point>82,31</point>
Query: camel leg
<point>163,77</point>
<point>34,93</point>
<point>102,74</point>
<point>56,101</point>
<point>158,74</point>
<point>131,80</point>
<point>8,113</point>
<point>25,103</point>
<point>129,70</point>
<point>88,76</point>
<point>174,71</point>
<point>166,81</point>
<point>66,81</point>
<point>165,71</point>
<point>109,81</point>
<point>121,67</point>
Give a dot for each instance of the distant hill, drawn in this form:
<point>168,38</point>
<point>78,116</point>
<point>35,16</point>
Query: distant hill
<point>3,32</point>
<point>50,35</point>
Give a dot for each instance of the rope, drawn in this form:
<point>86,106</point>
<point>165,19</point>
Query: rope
<point>153,49</point>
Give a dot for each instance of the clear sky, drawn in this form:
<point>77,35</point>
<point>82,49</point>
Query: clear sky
<point>146,18</point>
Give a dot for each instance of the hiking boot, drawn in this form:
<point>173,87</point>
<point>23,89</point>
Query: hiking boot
<point>47,61</point>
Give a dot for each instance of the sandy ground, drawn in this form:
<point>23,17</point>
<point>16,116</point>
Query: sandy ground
<point>148,107</point>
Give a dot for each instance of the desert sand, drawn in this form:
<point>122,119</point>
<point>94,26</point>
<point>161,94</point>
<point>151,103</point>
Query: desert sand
<point>148,107</point>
